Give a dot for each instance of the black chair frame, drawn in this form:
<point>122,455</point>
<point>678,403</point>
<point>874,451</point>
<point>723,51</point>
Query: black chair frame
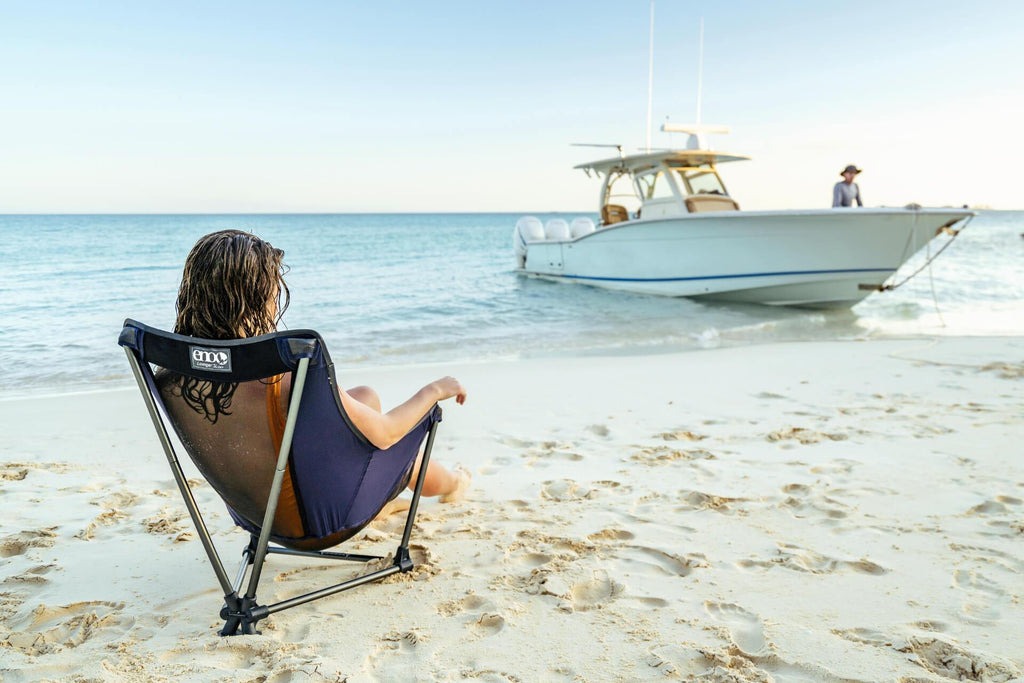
<point>242,611</point>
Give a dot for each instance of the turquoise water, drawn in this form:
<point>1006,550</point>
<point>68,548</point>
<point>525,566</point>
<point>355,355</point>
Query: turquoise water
<point>412,288</point>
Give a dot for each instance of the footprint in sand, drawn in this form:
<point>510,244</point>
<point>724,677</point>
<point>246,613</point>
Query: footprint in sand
<point>982,596</point>
<point>532,559</point>
<point>769,394</point>
<point>680,435</point>
<point>930,625</point>
<point>406,639</point>
<point>664,455</point>
<point>16,471</point>
<point>611,535</point>
<point>595,592</point>
<point>802,501</point>
<point>745,629</point>
<point>515,441</point>
<point>678,662</point>
<point>836,467</point>
<point>803,560</point>
<point>603,487</point>
<point>52,629</point>
<point>169,522</point>
<point>698,500</point>
<point>425,565</point>
<point>865,636</point>
<point>803,435</point>
<point>469,603</point>
<point>21,542</point>
<point>564,490</point>
<point>486,621</point>
<point>999,560</point>
<point>1005,370</point>
<point>33,575</point>
<point>13,471</point>
<point>489,624</point>
<point>395,657</point>
<point>952,661</point>
<point>996,506</point>
<point>108,517</point>
<point>578,589</point>
<point>667,563</point>
<point>495,465</point>
<point>545,454</point>
<point>241,653</point>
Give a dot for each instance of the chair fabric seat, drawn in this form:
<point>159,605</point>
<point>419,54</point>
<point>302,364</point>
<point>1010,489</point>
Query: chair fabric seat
<point>336,480</point>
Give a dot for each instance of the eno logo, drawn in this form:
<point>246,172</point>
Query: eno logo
<point>216,360</point>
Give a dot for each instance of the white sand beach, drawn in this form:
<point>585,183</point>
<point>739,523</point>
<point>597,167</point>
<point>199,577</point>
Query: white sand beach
<point>822,511</point>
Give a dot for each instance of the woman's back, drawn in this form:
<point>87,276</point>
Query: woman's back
<point>238,452</point>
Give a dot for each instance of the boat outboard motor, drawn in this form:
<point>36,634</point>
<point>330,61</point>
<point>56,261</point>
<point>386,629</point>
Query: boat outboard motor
<point>581,226</point>
<point>556,230</point>
<point>528,229</point>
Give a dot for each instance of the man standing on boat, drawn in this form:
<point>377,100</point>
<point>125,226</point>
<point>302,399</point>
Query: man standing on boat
<point>846,192</point>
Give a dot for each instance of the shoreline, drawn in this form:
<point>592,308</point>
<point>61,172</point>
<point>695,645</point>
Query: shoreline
<point>127,382</point>
<point>821,510</point>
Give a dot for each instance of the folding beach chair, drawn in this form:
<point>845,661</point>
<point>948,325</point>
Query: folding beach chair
<point>297,488</point>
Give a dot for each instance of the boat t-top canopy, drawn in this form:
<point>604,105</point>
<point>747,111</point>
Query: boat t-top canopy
<point>674,158</point>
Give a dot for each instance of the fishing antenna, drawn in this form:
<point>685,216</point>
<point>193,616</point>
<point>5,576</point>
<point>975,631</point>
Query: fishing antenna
<point>700,67</point>
<point>650,76</point>
<point>597,144</point>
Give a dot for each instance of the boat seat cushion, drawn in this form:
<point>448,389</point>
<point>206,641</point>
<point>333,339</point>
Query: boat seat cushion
<point>711,202</point>
<point>613,213</point>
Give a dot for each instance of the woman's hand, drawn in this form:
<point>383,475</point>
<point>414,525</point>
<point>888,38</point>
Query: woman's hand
<point>448,387</point>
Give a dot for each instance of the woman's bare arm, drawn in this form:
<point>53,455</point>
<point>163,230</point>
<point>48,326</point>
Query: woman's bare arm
<point>385,429</point>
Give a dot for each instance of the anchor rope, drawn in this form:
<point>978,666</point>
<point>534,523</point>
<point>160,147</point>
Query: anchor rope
<point>953,235</point>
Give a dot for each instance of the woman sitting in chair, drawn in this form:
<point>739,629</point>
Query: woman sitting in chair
<point>233,287</point>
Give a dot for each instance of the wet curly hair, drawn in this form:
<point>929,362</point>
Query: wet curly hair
<point>232,286</point>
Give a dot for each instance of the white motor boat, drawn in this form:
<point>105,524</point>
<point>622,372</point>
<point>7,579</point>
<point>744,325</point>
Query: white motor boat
<point>668,226</point>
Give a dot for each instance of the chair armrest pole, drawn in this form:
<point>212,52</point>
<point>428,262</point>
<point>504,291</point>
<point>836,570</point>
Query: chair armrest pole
<point>275,488</point>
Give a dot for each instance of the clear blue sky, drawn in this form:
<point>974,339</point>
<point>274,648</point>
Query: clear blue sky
<point>472,106</point>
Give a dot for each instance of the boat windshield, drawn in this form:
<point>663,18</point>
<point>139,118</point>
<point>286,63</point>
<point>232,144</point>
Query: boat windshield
<point>654,185</point>
<point>701,181</point>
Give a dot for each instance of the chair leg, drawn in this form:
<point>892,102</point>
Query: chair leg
<point>237,611</point>
<point>403,560</point>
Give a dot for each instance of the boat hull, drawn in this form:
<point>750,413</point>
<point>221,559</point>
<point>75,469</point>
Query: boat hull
<point>827,258</point>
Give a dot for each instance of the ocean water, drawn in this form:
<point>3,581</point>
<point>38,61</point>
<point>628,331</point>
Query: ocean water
<point>389,289</point>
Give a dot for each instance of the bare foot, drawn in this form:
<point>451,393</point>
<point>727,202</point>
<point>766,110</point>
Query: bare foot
<point>392,507</point>
<point>463,477</point>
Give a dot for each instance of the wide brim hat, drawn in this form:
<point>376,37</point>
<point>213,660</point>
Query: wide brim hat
<point>850,169</point>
